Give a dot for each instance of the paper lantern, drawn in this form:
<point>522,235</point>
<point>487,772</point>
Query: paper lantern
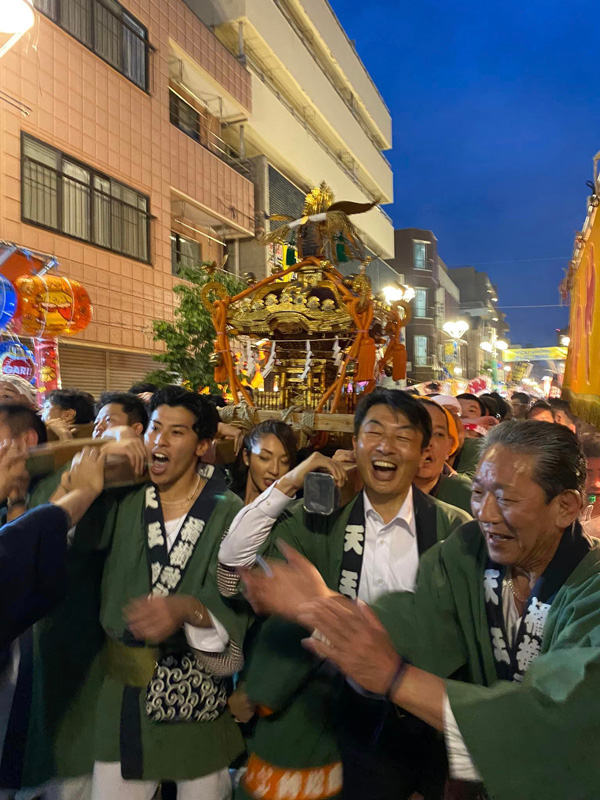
<point>8,301</point>
<point>47,366</point>
<point>50,306</point>
<point>16,359</point>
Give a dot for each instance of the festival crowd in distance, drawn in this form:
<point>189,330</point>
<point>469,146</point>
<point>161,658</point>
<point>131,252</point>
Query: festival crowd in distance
<point>173,625</point>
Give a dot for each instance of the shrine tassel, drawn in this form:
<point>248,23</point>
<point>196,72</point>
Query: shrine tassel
<point>366,360</point>
<point>399,359</point>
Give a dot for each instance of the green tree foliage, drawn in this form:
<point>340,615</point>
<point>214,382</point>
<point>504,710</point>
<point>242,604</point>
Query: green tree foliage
<point>189,338</point>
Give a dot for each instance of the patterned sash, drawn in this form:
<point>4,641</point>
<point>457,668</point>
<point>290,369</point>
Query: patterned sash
<point>181,690</point>
<point>354,550</point>
<point>513,661</point>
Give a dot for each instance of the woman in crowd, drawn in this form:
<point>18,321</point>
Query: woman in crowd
<point>269,451</point>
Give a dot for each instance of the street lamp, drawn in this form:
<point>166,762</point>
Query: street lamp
<point>16,18</point>
<point>456,329</point>
<point>565,341</point>
<point>393,294</point>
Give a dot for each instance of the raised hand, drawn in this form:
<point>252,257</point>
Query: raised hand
<point>14,478</point>
<point>87,472</point>
<point>283,586</point>
<point>293,481</point>
<point>352,637</point>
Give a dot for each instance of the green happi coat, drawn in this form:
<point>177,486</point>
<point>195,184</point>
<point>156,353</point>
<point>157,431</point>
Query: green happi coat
<point>181,750</point>
<point>281,674</point>
<point>467,459</point>
<point>532,740</point>
<point>67,663</point>
<point>456,491</point>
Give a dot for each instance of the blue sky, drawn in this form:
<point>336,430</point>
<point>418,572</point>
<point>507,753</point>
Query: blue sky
<point>496,114</point>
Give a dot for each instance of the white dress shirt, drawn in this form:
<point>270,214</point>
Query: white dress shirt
<point>391,556</point>
<point>210,640</point>
<point>459,760</point>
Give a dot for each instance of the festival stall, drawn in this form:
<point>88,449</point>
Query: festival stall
<point>41,306</point>
<point>581,384</point>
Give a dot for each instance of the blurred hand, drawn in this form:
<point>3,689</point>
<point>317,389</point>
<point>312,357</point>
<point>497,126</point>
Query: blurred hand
<point>225,431</point>
<point>60,429</point>
<point>119,433</point>
<point>286,587</point>
<point>131,448</point>
<point>156,618</point>
<point>344,456</point>
<point>240,705</point>
<point>145,397</point>
<point>353,638</point>
<point>86,473</point>
<point>293,481</point>
<point>14,478</point>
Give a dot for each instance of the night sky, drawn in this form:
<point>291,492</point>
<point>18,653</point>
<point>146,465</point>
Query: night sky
<point>496,118</point>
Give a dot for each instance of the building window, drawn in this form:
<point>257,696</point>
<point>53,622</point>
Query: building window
<point>184,252</point>
<point>184,116</point>
<point>420,304</point>
<point>420,255</point>
<point>66,196</point>
<point>420,348</point>
<point>107,29</point>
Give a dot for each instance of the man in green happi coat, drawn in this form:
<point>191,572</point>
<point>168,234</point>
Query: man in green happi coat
<point>311,725</point>
<point>172,640</point>
<point>499,647</point>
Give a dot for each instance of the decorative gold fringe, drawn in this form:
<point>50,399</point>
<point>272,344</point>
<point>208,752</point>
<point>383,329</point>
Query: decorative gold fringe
<point>585,406</point>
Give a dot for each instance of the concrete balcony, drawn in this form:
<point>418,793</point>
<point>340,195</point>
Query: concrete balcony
<point>275,130</point>
<point>211,185</point>
<point>277,50</point>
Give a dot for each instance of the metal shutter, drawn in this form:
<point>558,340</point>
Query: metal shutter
<point>125,369</point>
<point>83,368</point>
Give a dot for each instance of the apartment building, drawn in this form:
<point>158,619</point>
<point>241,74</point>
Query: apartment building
<point>316,115</point>
<point>118,168</point>
<point>436,301</point>
<point>488,325</point>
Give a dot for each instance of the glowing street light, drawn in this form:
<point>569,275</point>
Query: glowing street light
<point>487,346</point>
<point>393,294</point>
<point>501,345</point>
<point>16,18</point>
<point>565,341</point>
<point>456,329</point>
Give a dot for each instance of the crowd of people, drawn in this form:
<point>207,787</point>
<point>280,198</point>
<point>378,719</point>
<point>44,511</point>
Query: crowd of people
<point>195,632</point>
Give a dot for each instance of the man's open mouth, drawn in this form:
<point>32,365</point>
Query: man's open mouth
<point>384,470</point>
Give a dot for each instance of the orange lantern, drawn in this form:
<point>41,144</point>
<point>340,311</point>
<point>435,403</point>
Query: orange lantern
<point>50,306</point>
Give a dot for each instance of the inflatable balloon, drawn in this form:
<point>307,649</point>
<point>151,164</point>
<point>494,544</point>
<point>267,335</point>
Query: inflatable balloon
<point>8,301</point>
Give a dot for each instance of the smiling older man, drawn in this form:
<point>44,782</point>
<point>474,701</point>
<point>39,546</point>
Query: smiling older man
<point>499,647</point>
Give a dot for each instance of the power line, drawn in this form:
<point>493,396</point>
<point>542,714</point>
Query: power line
<point>513,261</point>
<point>557,305</point>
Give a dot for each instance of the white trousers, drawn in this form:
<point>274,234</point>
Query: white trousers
<point>69,789</point>
<point>109,785</point>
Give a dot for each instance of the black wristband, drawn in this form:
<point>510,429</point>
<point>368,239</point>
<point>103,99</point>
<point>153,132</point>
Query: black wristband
<point>403,665</point>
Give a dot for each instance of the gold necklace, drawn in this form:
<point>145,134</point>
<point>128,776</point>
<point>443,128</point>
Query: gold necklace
<point>514,591</point>
<point>187,499</point>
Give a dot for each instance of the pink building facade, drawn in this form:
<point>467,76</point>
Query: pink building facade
<point>115,166</point>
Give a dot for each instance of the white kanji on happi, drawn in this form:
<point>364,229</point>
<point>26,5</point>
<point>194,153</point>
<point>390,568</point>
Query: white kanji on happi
<point>151,499</point>
<point>170,576</point>
<point>192,529</point>
<point>499,645</point>
<point>180,554</point>
<point>155,534</point>
<point>355,536</point>
<point>529,650</point>
<point>156,568</point>
<point>535,620</point>
<point>315,783</point>
<point>490,584</point>
<point>289,786</point>
<point>348,583</point>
